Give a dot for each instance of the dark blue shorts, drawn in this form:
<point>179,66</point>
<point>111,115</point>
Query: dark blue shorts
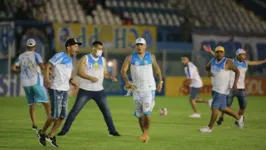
<point>241,97</point>
<point>59,103</point>
<point>194,92</point>
<point>219,101</point>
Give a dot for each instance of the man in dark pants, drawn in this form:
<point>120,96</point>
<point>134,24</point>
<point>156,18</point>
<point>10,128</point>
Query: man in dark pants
<point>92,70</point>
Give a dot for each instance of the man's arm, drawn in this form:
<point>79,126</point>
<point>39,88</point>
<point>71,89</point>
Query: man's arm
<point>208,67</point>
<point>157,69</point>
<point>125,68</point>
<point>39,60</point>
<point>208,49</point>
<point>255,63</point>
<point>231,66</point>
<point>81,68</point>
<point>15,67</point>
<point>47,72</point>
<point>107,75</point>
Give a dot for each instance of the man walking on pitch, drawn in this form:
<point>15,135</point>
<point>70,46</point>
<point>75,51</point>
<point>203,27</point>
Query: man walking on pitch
<point>92,69</point>
<point>242,64</point>
<point>141,67</point>
<point>61,64</point>
<point>219,69</point>
<point>29,64</point>
<point>195,83</point>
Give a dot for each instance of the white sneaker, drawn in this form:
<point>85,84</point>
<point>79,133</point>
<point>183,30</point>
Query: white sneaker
<point>210,102</point>
<point>241,122</point>
<point>205,130</point>
<point>195,115</point>
<point>129,92</point>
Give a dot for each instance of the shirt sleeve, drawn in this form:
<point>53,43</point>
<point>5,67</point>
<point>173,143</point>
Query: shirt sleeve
<point>56,58</point>
<point>17,62</point>
<point>188,72</point>
<point>38,58</point>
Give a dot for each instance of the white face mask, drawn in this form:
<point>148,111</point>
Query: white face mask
<point>99,53</point>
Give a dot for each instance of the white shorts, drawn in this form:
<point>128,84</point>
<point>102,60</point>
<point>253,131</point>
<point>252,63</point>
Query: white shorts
<point>144,102</point>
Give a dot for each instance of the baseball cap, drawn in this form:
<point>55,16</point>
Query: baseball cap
<point>219,48</point>
<point>30,43</point>
<point>240,51</point>
<point>140,41</point>
<point>72,41</point>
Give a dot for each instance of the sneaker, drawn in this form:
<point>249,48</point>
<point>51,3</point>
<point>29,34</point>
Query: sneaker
<point>61,133</point>
<point>42,140</point>
<point>114,134</point>
<point>34,127</point>
<point>195,115</point>
<point>210,103</point>
<point>38,133</point>
<point>220,120</point>
<point>240,122</point>
<point>205,130</point>
<point>52,140</point>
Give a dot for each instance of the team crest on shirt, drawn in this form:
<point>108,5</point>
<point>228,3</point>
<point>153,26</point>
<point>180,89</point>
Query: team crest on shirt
<point>96,65</point>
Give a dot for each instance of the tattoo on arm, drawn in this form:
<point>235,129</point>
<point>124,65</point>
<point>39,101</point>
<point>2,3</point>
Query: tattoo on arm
<point>125,68</point>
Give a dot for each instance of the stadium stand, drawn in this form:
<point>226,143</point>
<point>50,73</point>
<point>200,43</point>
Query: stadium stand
<point>225,15</point>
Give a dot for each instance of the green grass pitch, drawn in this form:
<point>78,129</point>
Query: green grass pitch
<point>175,131</point>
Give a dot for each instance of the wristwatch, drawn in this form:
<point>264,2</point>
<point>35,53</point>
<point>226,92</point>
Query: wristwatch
<point>161,81</point>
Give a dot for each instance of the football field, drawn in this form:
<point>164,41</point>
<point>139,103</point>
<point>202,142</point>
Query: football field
<point>172,132</point>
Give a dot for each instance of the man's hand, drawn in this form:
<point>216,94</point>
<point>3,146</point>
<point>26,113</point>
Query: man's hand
<point>74,83</point>
<point>129,86</point>
<point>51,73</point>
<point>159,87</point>
<point>235,86</point>
<point>94,79</point>
<point>210,74</point>
<point>207,48</point>
<point>181,89</point>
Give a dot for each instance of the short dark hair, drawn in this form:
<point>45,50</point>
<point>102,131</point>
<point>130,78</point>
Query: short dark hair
<point>187,56</point>
<point>95,43</point>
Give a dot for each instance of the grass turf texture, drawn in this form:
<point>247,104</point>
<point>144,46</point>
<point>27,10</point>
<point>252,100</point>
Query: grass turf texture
<point>175,131</point>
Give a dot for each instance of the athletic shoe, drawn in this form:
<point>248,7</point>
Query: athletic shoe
<point>195,115</point>
<point>205,130</point>
<point>52,140</point>
<point>220,120</point>
<point>41,138</point>
<point>114,134</point>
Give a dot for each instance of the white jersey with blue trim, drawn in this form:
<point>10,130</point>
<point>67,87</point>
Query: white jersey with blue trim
<point>93,67</point>
<point>242,67</point>
<point>62,68</point>
<point>221,76</point>
<point>29,65</point>
<point>192,73</point>
<point>142,72</point>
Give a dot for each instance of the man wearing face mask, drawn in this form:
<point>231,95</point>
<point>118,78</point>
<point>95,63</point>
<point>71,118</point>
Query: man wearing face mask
<point>92,69</point>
